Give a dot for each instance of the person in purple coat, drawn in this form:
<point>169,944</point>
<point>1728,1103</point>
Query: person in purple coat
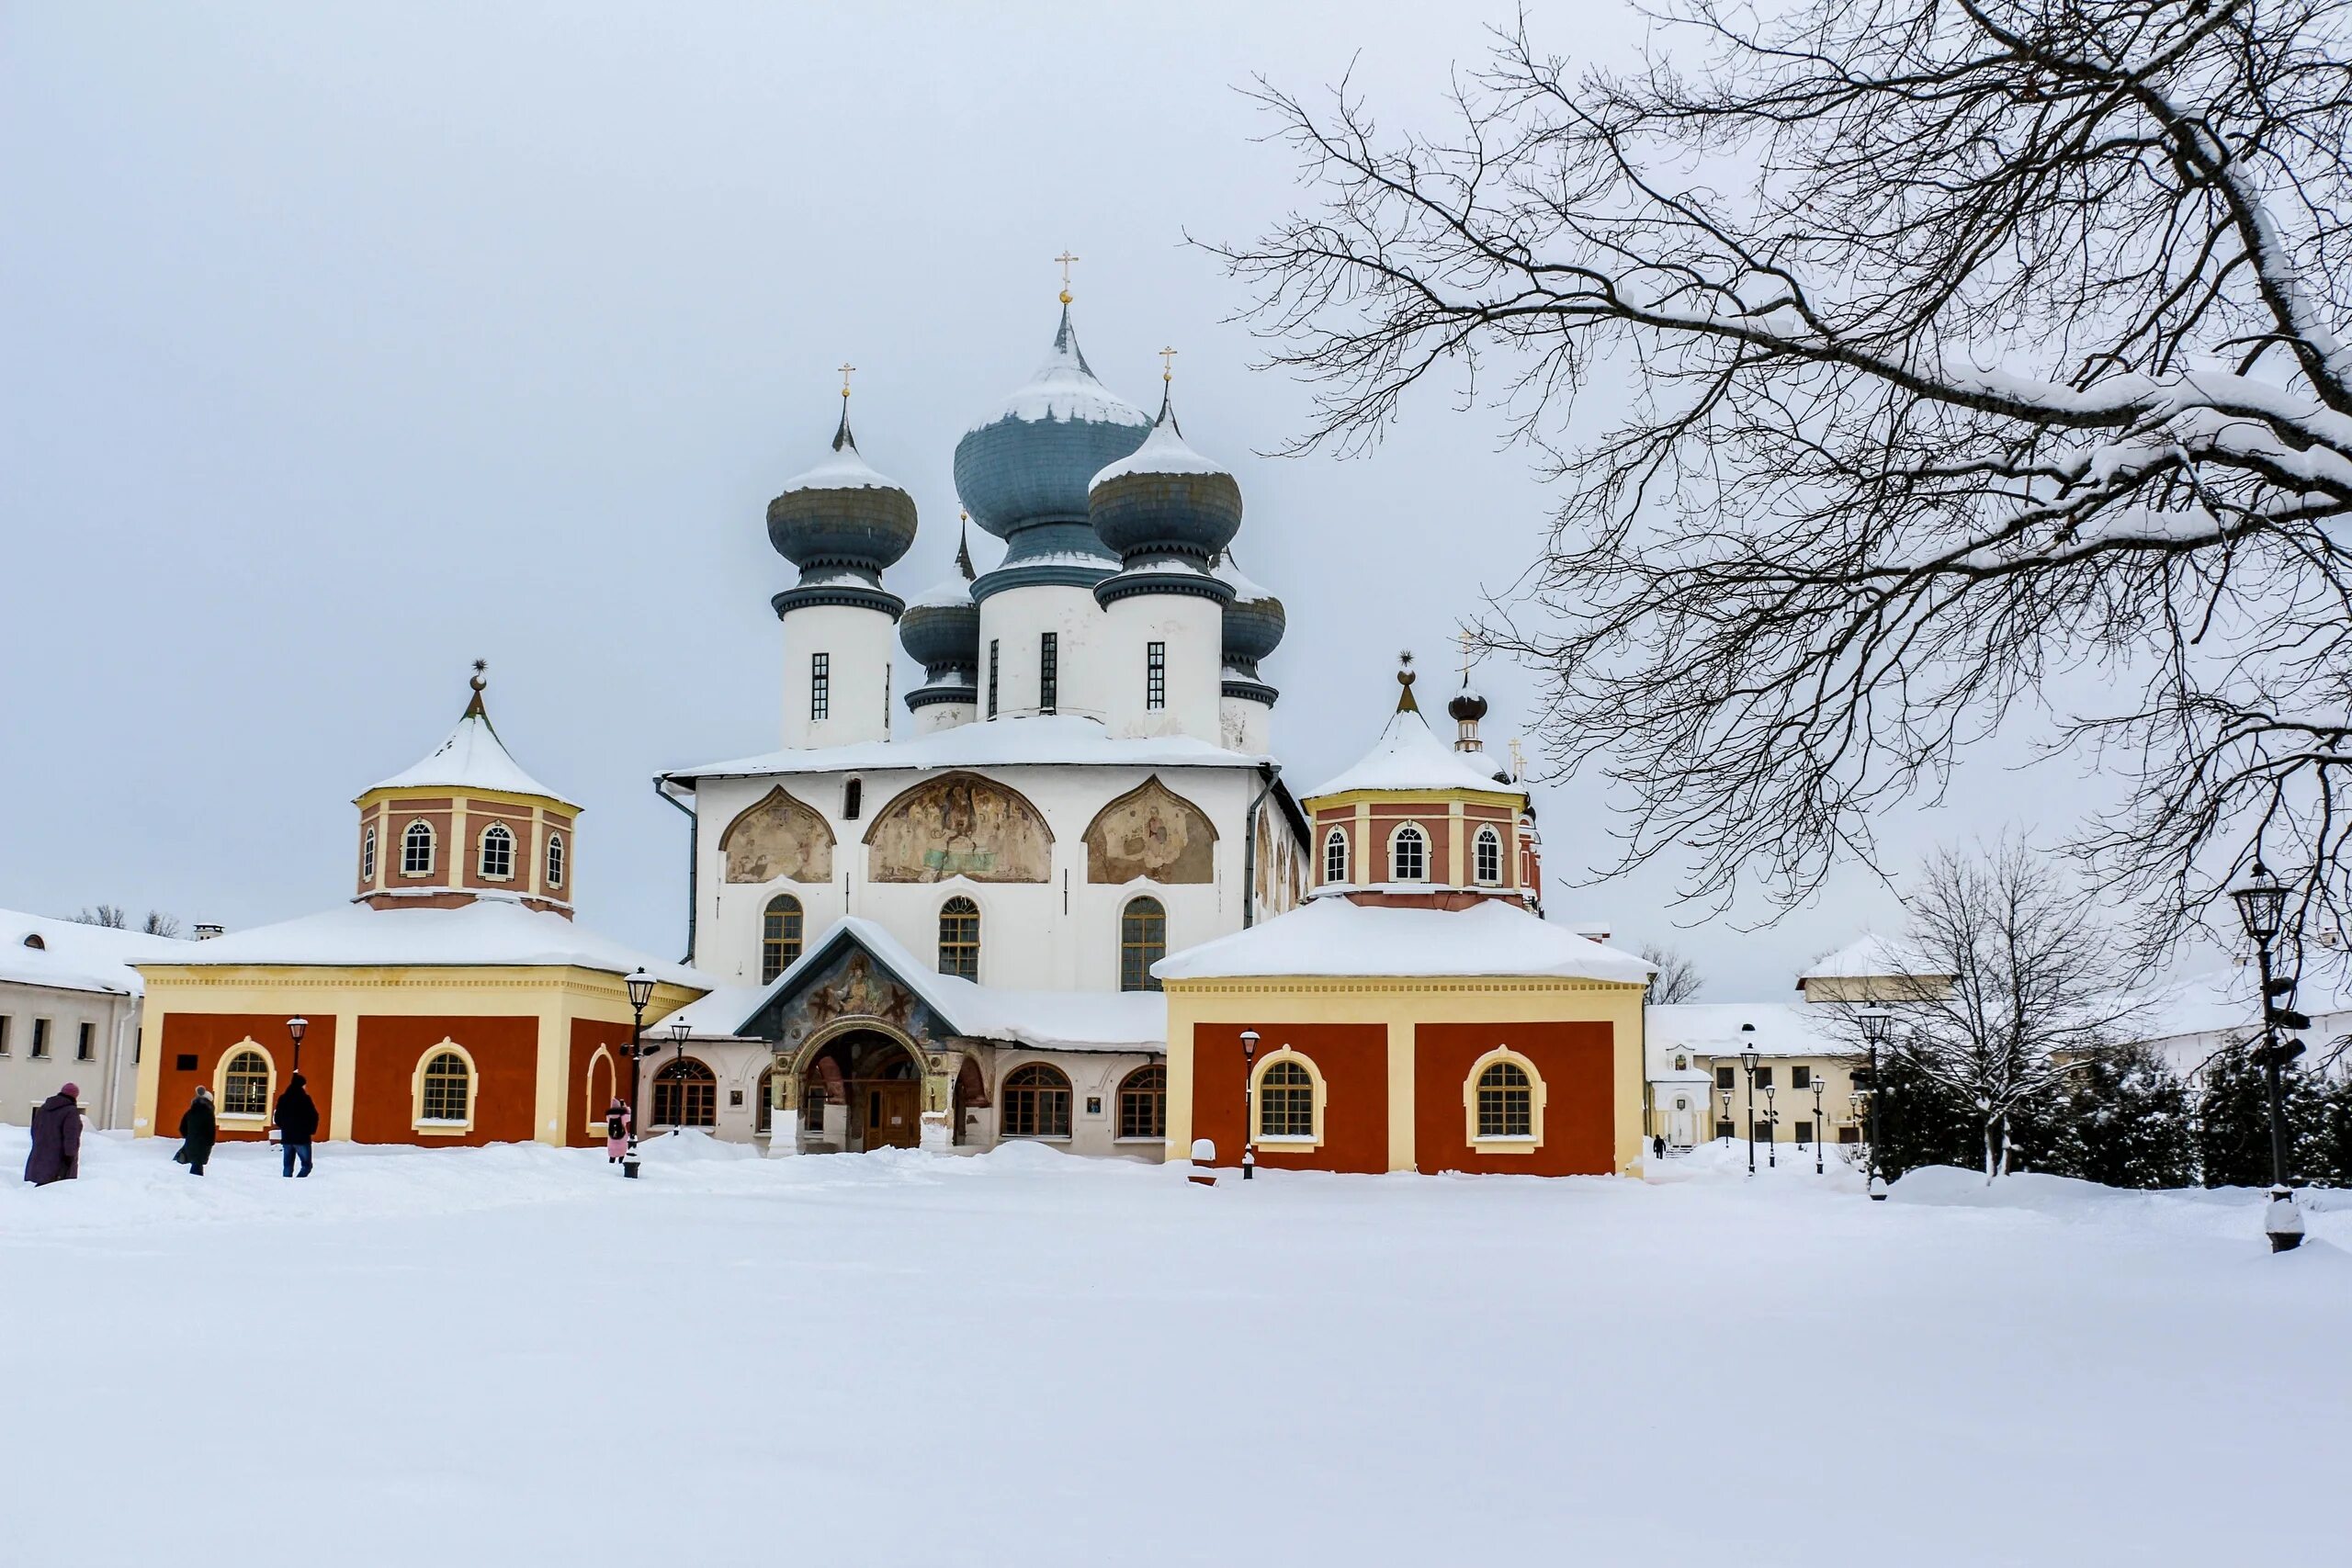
<point>57,1138</point>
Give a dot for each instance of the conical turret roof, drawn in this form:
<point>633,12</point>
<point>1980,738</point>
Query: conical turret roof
<point>470,757</point>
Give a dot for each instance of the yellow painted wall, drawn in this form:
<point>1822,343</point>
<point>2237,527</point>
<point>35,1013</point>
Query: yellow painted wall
<point>1402,1003</point>
<point>555,995</point>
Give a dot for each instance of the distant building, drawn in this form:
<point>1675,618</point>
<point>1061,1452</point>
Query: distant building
<point>70,1013</point>
<point>451,1002</point>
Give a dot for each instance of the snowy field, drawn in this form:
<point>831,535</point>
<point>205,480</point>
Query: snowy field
<point>509,1357</point>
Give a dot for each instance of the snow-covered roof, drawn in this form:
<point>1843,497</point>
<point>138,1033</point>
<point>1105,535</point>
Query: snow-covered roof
<point>951,592</point>
<point>1064,388</point>
<point>1409,757</point>
<point>842,469</point>
<point>1867,958</point>
<point>1164,451</point>
<point>2192,1017</point>
<point>1061,1021</point>
<point>1335,936</point>
<point>1245,590</point>
<point>74,957</point>
<point>1716,1029</point>
<point>470,757</point>
<point>1001,743</point>
<point>495,932</point>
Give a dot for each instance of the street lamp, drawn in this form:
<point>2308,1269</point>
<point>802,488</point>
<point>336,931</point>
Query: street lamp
<point>679,1030</point>
<point>1726,1115</point>
<point>1249,1113</point>
<point>1819,1126</point>
<point>641,992</point>
<point>295,1028</point>
<point>1876,1022</point>
<point>1747,1060</point>
<point>2262,907</point>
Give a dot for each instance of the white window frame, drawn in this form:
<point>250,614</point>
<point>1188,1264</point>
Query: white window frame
<point>244,1122</point>
<point>368,855</point>
<point>481,853</point>
<point>555,858</point>
<point>1518,1144</point>
<point>1485,842</point>
<point>1336,839</point>
<point>444,1126</point>
<point>1395,842</point>
<point>432,848</point>
<point>1290,1142</point>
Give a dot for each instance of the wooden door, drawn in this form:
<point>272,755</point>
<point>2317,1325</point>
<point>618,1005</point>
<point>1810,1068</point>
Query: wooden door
<point>893,1115</point>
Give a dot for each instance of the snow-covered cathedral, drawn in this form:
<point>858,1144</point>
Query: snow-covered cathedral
<point>936,928</point>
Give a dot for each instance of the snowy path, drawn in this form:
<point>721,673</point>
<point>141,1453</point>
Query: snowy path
<point>509,1357</point>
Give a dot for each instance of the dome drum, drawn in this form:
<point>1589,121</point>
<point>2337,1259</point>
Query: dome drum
<point>1168,578</point>
<point>1249,691</point>
<point>854,593</point>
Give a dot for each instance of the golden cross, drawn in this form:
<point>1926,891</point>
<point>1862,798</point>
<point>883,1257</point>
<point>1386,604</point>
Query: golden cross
<point>1065,258</point>
<point>845,367</point>
<point>1465,659</point>
<point>1167,363</point>
<point>1518,763</point>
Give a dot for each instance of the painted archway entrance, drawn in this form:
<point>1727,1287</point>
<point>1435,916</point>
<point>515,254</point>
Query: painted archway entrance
<point>876,1080</point>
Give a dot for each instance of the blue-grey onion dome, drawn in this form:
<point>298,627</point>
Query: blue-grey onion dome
<point>1253,622</point>
<point>842,513</point>
<point>941,629</point>
<point>1467,706</point>
<point>1030,462</point>
<point>1164,500</point>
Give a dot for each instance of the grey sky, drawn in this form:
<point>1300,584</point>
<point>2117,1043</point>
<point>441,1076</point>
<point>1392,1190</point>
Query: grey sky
<point>344,344</point>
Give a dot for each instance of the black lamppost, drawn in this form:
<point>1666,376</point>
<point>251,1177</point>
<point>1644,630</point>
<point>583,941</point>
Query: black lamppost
<point>1248,1111</point>
<point>1819,1126</point>
<point>1876,1022</point>
<point>2262,906</point>
<point>1771,1128</point>
<point>1747,1060</point>
<point>641,992</point>
<point>295,1028</point>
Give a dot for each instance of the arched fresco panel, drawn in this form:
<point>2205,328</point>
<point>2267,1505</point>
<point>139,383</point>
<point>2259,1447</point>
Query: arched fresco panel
<point>1151,831</point>
<point>959,825</point>
<point>778,836</point>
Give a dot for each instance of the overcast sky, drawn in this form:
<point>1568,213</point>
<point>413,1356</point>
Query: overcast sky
<point>340,345</point>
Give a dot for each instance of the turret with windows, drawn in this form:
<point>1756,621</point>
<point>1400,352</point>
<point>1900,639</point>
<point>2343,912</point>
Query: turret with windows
<point>466,823</point>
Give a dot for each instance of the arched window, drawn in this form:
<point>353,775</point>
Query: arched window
<point>1285,1102</point>
<point>1143,1103</point>
<point>685,1094</point>
<point>368,855</point>
<point>1488,855</point>
<point>244,1084</point>
<point>1143,942</point>
<point>1036,1103</point>
<point>497,862</point>
<point>852,798</point>
<point>1334,855</point>
<point>555,860</point>
<point>416,850</point>
<point>1409,854</point>
<point>448,1094</point>
<point>959,937</point>
<point>1506,1103</point>
<point>763,1119</point>
<point>779,936</point>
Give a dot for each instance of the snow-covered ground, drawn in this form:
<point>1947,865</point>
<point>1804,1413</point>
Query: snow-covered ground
<point>509,1356</point>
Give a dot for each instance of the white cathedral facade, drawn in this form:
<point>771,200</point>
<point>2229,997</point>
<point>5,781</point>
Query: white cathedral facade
<point>933,913</point>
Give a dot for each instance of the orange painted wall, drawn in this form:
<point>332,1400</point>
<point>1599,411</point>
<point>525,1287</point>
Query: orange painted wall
<point>586,1035</point>
<point>1580,1114</point>
<point>206,1035</point>
<point>505,1054</point>
<point>1353,1060</point>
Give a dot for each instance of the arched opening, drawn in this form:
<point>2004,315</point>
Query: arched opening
<point>1035,1103</point>
<point>685,1094</point>
<point>959,937</point>
<point>1409,854</point>
<point>1143,942</point>
<point>780,928</point>
<point>877,1082</point>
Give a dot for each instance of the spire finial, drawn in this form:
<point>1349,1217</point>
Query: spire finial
<point>473,708</point>
<point>842,436</point>
<point>1405,703</point>
<point>1517,762</point>
<point>964,543</point>
<point>845,368</point>
<point>1065,258</point>
<point>1465,657</point>
<point>1167,365</point>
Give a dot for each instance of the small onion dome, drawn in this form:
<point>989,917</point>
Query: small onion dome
<point>1467,706</point>
<point>1164,501</point>
<point>1030,461</point>
<point>1253,622</point>
<point>941,629</point>
<point>842,513</point>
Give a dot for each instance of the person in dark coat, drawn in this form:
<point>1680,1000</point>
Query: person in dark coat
<point>57,1138</point>
<point>198,1127</point>
<point>297,1124</point>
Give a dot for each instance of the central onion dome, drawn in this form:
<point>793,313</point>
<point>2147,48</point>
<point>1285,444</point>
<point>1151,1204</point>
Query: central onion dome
<point>1022,473</point>
<point>842,516</point>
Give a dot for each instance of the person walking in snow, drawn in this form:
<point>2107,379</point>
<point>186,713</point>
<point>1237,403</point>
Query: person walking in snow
<point>617,1121</point>
<point>297,1124</point>
<point>57,1138</point>
<point>199,1128</point>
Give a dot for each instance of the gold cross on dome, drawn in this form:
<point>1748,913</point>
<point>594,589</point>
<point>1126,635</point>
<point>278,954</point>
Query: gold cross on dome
<point>1065,258</point>
<point>1167,365</point>
<point>1465,657</point>
<point>845,367</point>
